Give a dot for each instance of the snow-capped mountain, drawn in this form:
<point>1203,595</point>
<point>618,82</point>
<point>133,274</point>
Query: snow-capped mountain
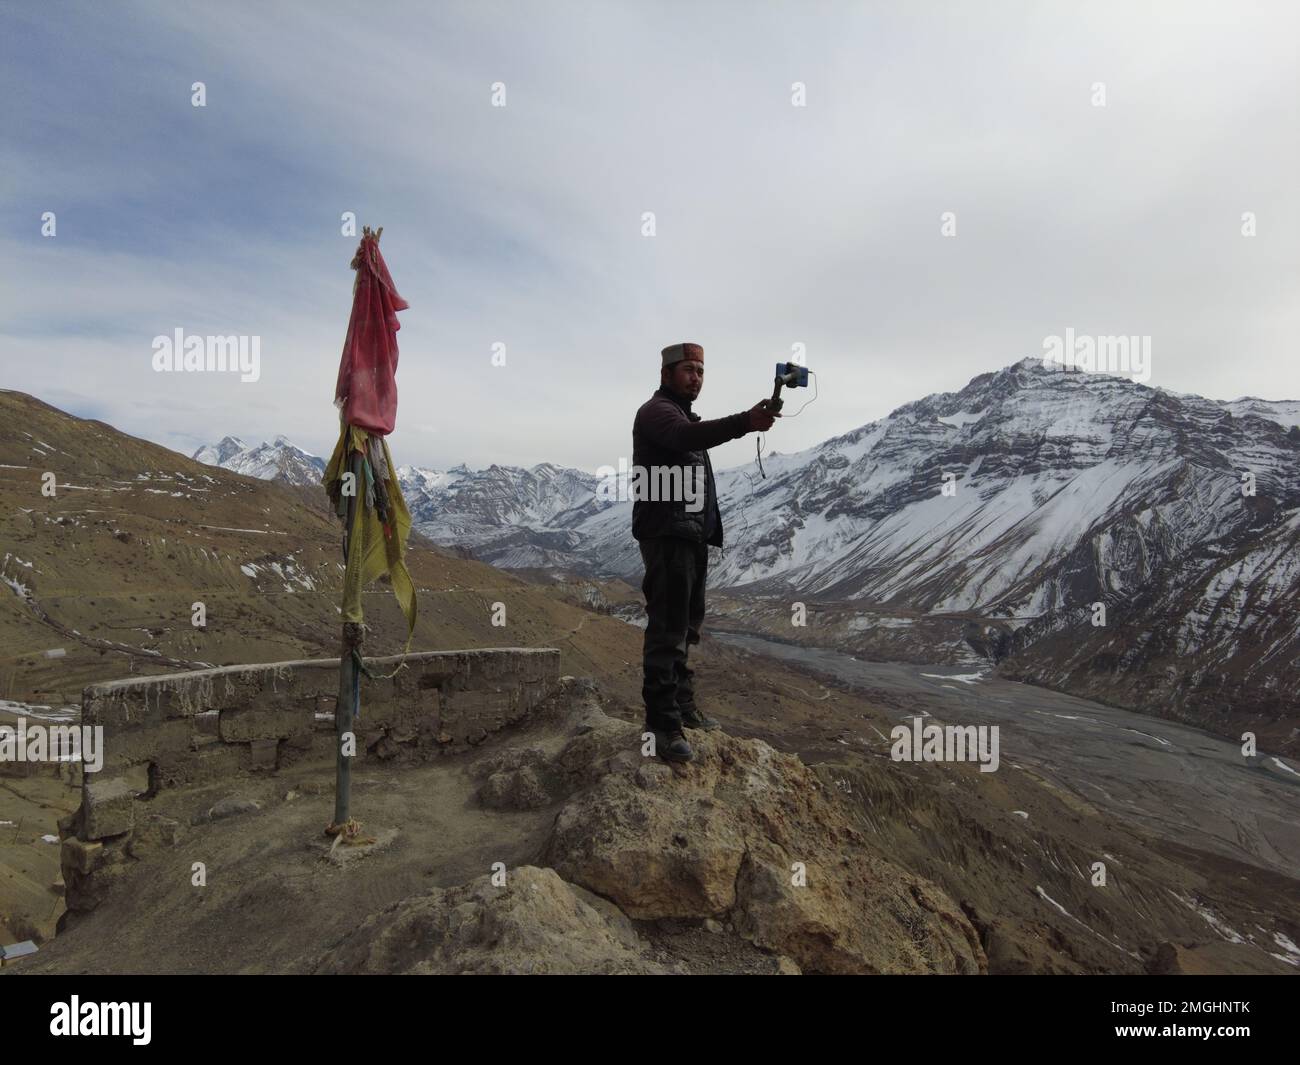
<point>1063,490</point>
<point>1285,412</point>
<point>278,461</point>
<point>988,522</point>
<point>1040,464</point>
<point>220,454</point>
<point>507,515</point>
<point>1181,515</point>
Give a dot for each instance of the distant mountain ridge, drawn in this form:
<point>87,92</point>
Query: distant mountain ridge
<point>1180,515</point>
<point>277,461</point>
<point>507,515</point>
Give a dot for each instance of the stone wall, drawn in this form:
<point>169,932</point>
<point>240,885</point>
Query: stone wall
<point>208,724</point>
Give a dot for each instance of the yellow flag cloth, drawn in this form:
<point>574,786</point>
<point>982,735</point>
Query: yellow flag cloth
<point>370,552</point>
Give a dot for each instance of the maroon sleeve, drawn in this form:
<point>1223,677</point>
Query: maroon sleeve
<point>667,426</point>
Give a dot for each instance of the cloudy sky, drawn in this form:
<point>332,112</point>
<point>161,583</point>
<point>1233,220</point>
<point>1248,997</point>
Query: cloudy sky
<point>775,225</point>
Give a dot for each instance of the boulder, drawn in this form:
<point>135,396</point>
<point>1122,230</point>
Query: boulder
<point>534,923</point>
<point>746,834</point>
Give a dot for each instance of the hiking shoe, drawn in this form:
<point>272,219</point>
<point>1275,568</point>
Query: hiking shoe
<point>672,746</point>
<point>693,717</point>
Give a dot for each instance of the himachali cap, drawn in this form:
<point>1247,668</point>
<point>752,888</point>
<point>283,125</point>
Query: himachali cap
<point>677,352</point>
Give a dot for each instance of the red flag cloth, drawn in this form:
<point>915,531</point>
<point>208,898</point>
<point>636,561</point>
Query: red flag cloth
<point>367,386</point>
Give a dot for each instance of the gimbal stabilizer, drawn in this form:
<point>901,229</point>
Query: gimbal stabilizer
<point>791,375</point>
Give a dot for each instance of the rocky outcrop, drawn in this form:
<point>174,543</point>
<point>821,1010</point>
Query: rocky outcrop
<point>743,841</point>
<point>746,834</point>
<point>533,922</point>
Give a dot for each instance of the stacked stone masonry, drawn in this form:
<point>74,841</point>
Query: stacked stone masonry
<point>210,724</point>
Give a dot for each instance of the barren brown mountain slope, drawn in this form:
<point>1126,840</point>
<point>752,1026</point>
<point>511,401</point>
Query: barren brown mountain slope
<point>109,567</point>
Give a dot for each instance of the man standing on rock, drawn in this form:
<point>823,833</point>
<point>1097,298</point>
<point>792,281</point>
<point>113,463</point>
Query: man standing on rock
<point>670,451</point>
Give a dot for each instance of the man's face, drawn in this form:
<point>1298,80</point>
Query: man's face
<point>687,378</point>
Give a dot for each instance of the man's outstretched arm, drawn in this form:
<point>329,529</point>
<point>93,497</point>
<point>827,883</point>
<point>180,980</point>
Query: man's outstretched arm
<point>669,427</point>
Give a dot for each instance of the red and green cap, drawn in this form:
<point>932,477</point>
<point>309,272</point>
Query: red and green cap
<point>676,353</point>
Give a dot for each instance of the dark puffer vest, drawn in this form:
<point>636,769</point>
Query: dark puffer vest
<point>667,434</point>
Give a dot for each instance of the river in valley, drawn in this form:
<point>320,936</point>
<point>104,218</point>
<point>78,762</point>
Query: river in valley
<point>1179,782</point>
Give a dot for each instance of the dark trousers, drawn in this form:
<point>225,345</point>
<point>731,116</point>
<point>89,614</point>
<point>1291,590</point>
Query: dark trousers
<point>675,575</point>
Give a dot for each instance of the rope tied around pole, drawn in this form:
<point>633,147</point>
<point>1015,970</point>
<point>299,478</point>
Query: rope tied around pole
<point>348,833</point>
